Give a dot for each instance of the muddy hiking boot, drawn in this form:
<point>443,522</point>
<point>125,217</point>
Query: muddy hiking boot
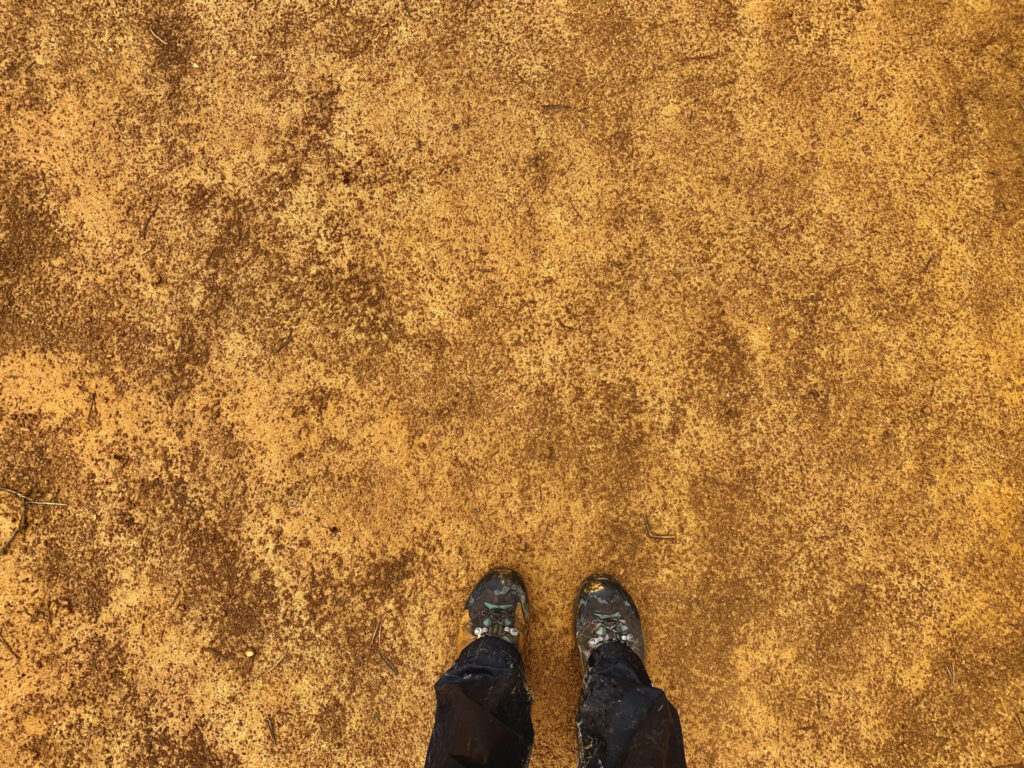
<point>496,608</point>
<point>605,613</point>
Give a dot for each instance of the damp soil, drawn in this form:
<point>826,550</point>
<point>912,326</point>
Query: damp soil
<point>312,312</point>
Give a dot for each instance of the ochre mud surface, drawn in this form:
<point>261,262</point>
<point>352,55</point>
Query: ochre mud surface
<point>312,311</point>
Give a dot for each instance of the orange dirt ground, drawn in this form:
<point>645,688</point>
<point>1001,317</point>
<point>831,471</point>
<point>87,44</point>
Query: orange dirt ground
<point>312,311</point>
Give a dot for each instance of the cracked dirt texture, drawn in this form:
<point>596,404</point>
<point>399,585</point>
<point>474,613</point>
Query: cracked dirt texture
<point>313,311</point>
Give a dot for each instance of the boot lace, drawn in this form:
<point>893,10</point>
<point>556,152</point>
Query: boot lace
<point>499,620</point>
<point>611,628</point>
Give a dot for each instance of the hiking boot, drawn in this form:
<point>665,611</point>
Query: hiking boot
<point>605,613</point>
<point>496,608</point>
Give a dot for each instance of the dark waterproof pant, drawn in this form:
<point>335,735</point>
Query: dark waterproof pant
<point>483,713</point>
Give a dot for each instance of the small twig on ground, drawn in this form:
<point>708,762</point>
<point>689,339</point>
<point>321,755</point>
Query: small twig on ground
<point>376,632</point>
<point>375,641</point>
<point>215,652</point>
<point>275,665</point>
<point>700,57</point>
<point>272,729</point>
<point>154,34</point>
<point>387,662</point>
<point>283,344</point>
<point>22,523</point>
<point>8,647</point>
<point>556,107</point>
<point>27,500</point>
<point>145,225</point>
<point>992,38</point>
<point>652,534</point>
<point>177,597</point>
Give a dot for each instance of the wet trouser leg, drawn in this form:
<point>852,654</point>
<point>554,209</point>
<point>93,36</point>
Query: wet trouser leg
<point>623,721</point>
<point>482,718</point>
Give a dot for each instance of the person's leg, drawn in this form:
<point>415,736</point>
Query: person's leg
<point>482,718</point>
<point>483,710</point>
<point>623,721</point>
